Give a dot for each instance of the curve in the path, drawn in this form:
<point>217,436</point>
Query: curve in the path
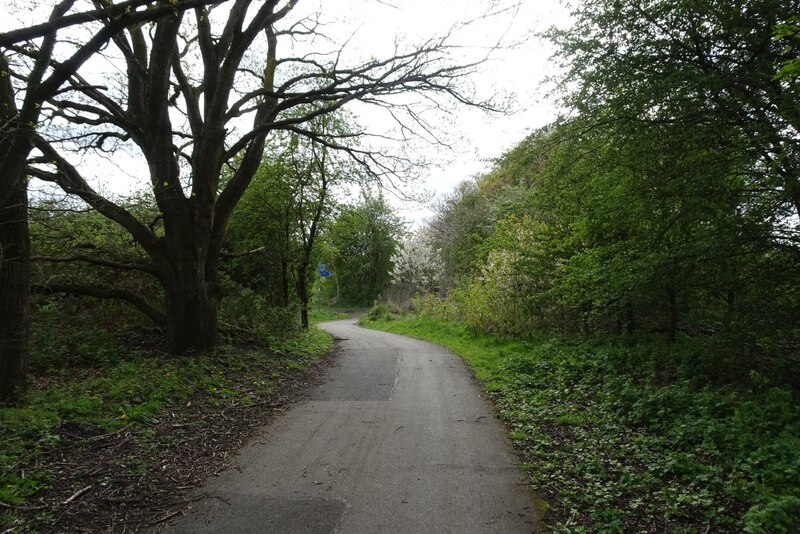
<point>398,439</point>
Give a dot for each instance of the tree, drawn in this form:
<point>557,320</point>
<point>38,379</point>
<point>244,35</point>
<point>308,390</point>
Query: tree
<point>460,226</point>
<point>260,234</point>
<point>233,81</point>
<point>28,59</point>
<point>587,231</point>
<point>362,242</point>
<point>285,209</point>
<point>687,64</point>
<point>696,130</point>
<point>416,268</point>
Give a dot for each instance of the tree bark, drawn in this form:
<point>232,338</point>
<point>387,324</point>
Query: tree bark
<point>302,293</point>
<point>14,282</point>
<point>14,243</point>
<point>192,304</point>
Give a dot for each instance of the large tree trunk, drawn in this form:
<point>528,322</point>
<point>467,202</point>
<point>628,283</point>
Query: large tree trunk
<point>14,292</point>
<point>14,243</point>
<point>191,303</point>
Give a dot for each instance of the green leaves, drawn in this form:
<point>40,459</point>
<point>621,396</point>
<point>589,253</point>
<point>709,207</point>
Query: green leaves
<point>788,35</point>
<point>362,243</point>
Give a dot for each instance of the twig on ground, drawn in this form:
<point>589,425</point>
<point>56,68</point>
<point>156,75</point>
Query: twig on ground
<point>193,499</point>
<point>166,517</point>
<point>222,468</point>
<point>77,494</point>
<point>90,440</point>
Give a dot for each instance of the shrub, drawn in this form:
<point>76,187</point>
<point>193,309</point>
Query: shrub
<point>384,311</point>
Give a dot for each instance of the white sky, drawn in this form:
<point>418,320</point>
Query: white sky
<point>371,28</point>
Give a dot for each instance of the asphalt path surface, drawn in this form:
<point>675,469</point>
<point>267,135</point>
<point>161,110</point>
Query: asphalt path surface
<point>398,439</point>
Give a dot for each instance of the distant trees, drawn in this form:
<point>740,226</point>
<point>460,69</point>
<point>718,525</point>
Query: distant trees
<point>284,212</point>
<point>416,267</point>
<point>667,203</point>
<point>261,232</point>
<point>591,234</point>
<point>461,222</point>
<point>361,245</point>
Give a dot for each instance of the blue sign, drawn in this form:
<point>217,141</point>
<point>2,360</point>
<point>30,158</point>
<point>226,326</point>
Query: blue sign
<point>323,272</point>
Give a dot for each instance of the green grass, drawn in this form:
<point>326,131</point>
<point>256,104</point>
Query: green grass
<point>316,316</point>
<point>309,343</point>
<point>133,389</point>
<point>614,446</point>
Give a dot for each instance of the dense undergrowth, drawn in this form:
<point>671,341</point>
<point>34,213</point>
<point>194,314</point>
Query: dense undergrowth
<point>626,435</point>
<point>321,315</point>
<point>94,380</point>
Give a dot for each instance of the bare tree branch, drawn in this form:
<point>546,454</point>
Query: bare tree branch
<point>110,11</point>
<point>230,255</point>
<point>156,315</point>
<point>71,181</point>
<point>149,269</point>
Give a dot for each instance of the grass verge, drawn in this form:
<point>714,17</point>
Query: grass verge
<point>333,314</point>
<point>137,424</point>
<point>616,442</point>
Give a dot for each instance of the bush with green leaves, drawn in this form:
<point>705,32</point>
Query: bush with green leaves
<point>383,312</point>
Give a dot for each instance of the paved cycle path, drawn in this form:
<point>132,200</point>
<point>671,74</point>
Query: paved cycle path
<point>398,439</point>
